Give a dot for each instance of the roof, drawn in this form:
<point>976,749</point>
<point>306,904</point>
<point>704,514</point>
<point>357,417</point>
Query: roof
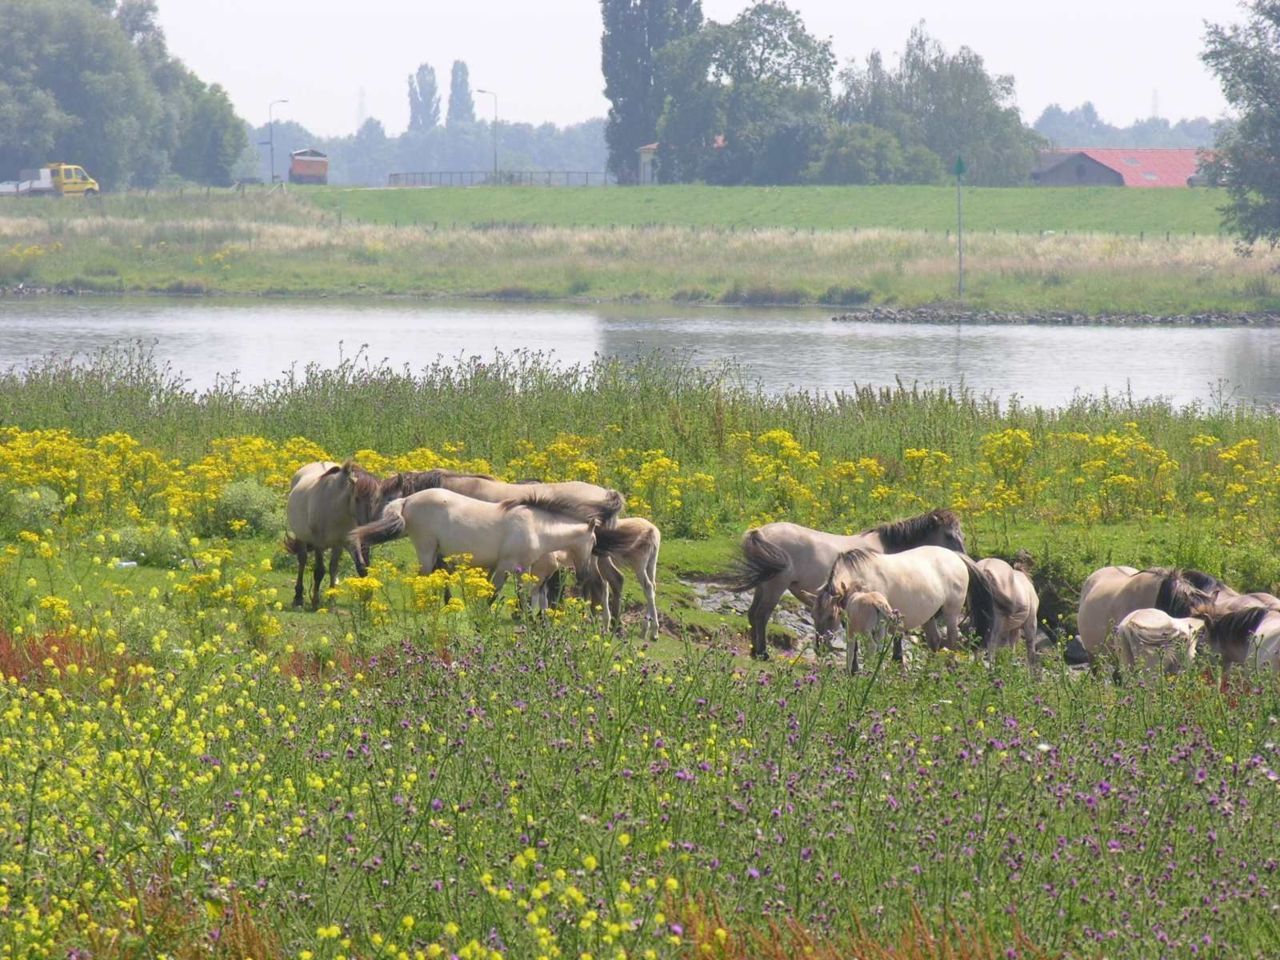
<point>309,152</point>
<point>1140,167</point>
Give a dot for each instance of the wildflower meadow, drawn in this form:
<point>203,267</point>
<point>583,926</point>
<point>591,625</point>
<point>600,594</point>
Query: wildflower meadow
<point>189,768</point>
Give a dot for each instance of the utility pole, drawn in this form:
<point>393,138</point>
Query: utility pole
<point>271,137</point>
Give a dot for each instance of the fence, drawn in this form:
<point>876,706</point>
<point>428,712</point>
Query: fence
<point>504,178</point>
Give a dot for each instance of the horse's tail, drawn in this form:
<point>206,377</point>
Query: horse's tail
<point>611,505</point>
<point>616,540</point>
<point>390,526</point>
<point>984,602</point>
<point>759,562</point>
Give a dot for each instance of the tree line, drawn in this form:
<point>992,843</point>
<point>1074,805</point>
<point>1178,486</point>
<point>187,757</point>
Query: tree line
<point>1082,127</point>
<point>92,82</point>
<point>759,100</point>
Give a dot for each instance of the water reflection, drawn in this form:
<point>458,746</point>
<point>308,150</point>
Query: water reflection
<point>783,349</point>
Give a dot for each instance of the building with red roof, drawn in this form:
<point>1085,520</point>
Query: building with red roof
<point>1111,167</point>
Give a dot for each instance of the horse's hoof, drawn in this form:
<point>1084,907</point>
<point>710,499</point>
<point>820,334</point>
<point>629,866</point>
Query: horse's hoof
<point>761,656</point>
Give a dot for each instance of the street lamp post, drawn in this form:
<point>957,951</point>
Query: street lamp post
<point>495,130</point>
<point>271,137</point>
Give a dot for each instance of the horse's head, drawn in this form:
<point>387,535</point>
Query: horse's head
<point>949,532</point>
<point>828,604</point>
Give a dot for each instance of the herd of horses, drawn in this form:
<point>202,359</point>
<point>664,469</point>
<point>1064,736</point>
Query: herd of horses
<point>911,574</point>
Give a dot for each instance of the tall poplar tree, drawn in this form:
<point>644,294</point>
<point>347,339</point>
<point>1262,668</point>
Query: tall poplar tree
<point>424,99</point>
<point>462,108</point>
<point>634,33</point>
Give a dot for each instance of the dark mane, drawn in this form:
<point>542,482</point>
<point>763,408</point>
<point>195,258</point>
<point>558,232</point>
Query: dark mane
<point>562,507</point>
<point>1203,581</point>
<point>1232,629</point>
<point>1179,593</point>
<point>847,563</point>
<point>414,480</point>
<point>903,534</point>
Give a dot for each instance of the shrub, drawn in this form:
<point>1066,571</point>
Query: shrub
<point>247,508</point>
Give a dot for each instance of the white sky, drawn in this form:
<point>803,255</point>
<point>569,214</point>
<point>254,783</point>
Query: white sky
<point>542,57</point>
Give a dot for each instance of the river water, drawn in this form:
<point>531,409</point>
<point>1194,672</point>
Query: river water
<point>783,349</point>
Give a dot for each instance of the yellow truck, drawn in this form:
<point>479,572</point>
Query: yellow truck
<point>62,179</point>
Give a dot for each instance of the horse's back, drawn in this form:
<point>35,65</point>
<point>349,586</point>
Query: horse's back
<point>1152,639</point>
<point>919,582</point>
<point>318,509</point>
<point>1107,596</point>
<point>1013,585</point>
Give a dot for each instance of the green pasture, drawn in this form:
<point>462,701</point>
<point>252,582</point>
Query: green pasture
<point>1026,210</point>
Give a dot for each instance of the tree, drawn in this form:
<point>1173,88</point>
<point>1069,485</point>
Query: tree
<point>71,87</point>
<point>635,32</point>
<point>212,137</point>
<point>946,102</point>
<point>1246,157</point>
<point>462,108</point>
<point>424,99</point>
<point>861,153</point>
<point>748,100</point>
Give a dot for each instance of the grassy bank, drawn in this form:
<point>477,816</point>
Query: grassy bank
<point>289,245</point>
<point>192,768</point>
<point>1028,210</point>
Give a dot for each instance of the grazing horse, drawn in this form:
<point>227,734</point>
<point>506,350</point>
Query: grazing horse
<point>580,499</point>
<point>1244,636</point>
<point>1153,641</point>
<point>502,538</point>
<point>1019,593</point>
<point>778,557</point>
<point>1109,594</point>
<point>638,551</point>
<point>326,501</point>
<point>920,583</point>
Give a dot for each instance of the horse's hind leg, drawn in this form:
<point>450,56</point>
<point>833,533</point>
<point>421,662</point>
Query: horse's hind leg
<point>763,604</point>
<point>301,553</point>
<point>612,578</point>
<point>932,635</point>
<point>317,577</point>
<point>648,582</point>
<point>334,556</point>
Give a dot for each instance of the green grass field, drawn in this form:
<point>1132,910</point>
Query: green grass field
<point>1024,210</point>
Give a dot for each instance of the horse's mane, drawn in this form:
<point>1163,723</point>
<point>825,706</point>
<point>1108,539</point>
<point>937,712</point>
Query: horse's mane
<point>563,508</point>
<point>846,567</point>
<point>902,534</point>
<point>414,480</point>
<point>1180,590</point>
<point>1233,627</point>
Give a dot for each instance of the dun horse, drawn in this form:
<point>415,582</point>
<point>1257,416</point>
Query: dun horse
<point>326,501</point>
<point>778,557</point>
<point>586,501</point>
<point>502,538</point>
<point>1153,641</point>
<point>1019,594</point>
<point>920,583</point>
<point>1111,593</point>
<point>1244,636</point>
<point>639,551</point>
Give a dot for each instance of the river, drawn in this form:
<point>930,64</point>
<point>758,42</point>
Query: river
<point>783,349</point>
